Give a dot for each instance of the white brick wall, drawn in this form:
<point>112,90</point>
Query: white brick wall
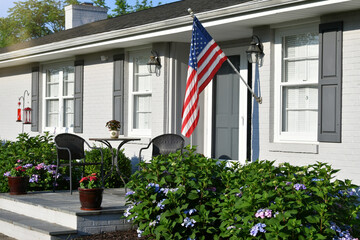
<point>13,82</point>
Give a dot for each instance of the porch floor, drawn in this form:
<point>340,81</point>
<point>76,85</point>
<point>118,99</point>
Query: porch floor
<point>60,210</point>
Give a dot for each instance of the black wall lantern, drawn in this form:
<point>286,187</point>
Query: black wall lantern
<point>154,64</point>
<point>255,52</point>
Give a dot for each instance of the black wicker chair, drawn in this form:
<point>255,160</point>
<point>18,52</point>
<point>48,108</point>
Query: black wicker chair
<point>72,148</point>
<point>165,144</point>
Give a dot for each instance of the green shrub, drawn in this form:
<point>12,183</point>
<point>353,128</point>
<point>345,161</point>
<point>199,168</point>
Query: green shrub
<point>113,181</point>
<point>188,196</point>
<point>40,151</point>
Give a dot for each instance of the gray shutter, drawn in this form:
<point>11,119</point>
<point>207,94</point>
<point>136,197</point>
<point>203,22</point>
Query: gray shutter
<point>330,81</point>
<point>35,99</point>
<point>78,96</point>
<point>118,90</point>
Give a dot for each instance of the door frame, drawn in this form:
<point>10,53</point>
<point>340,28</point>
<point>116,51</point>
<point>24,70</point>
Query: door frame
<point>243,107</point>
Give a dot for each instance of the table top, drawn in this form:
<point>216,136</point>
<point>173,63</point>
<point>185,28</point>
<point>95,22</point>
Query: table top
<point>115,139</point>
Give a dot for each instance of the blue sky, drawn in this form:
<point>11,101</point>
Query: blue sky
<point>6,4</point>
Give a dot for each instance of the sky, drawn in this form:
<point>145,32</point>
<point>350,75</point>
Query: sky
<point>6,4</point>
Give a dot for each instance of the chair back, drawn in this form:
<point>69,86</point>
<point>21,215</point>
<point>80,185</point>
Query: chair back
<point>167,143</point>
<point>72,142</point>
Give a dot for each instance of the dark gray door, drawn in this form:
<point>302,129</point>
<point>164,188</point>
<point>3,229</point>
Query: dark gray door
<point>225,137</point>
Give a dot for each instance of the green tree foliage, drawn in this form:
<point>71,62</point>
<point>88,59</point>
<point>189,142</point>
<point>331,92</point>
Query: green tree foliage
<point>8,31</point>
<point>100,3</point>
<point>122,7</point>
<point>37,18</point>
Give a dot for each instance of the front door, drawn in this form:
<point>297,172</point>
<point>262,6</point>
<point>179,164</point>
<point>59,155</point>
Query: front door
<point>226,111</point>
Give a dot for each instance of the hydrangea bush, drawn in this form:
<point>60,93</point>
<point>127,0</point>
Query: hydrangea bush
<point>188,196</point>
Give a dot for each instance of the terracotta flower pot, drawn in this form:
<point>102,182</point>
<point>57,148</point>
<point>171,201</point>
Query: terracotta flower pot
<point>18,185</point>
<point>90,199</point>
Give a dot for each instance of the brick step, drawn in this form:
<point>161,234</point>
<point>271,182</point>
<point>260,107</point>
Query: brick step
<point>23,227</point>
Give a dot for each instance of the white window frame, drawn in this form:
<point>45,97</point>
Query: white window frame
<point>279,135</point>
<point>137,131</point>
<point>60,128</point>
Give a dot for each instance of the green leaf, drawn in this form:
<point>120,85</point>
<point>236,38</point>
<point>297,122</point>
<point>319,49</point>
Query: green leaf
<point>313,219</point>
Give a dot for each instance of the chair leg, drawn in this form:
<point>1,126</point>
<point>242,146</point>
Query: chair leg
<point>56,174</point>
<point>70,173</point>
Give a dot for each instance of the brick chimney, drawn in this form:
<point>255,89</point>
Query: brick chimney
<point>77,15</point>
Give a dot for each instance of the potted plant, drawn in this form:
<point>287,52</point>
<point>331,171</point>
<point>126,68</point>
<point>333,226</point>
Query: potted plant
<point>114,127</point>
<point>90,192</point>
<point>18,178</point>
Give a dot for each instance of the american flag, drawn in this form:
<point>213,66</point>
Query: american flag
<point>205,60</point>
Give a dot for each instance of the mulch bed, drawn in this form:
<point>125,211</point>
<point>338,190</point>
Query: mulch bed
<point>118,235</point>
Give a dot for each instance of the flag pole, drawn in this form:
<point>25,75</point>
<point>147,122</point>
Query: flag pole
<point>258,99</point>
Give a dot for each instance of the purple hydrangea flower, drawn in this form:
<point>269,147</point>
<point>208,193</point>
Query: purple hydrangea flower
<point>160,205</point>
<point>34,178</point>
<point>317,179</point>
<point>257,228</point>
<point>299,186</point>
<point>129,193</point>
<point>190,211</point>
<point>230,227</point>
<point>188,222</point>
<point>29,165</point>
<point>153,185</point>
<point>263,213</point>
<point>139,232</point>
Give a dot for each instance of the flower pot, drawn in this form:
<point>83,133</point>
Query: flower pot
<point>18,185</point>
<point>114,133</point>
<point>90,199</point>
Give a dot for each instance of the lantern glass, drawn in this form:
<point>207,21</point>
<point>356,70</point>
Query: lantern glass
<point>255,51</point>
<point>27,115</point>
<point>152,64</point>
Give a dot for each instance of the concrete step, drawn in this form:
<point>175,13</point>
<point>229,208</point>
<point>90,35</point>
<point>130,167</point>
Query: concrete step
<point>38,207</point>
<point>48,215</point>
<point>24,227</point>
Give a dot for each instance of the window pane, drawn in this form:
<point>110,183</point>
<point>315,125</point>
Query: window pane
<point>52,83</point>
<point>68,79</point>
<point>301,71</point>
<point>302,45</point>
<point>142,112</point>
<point>299,109</point>
<point>68,113</point>
<point>142,78</point>
<point>52,113</point>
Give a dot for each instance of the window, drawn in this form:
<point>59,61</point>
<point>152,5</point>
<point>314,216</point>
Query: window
<point>296,84</point>
<point>140,94</point>
<point>59,99</point>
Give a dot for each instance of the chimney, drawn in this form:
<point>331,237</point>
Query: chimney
<point>77,15</point>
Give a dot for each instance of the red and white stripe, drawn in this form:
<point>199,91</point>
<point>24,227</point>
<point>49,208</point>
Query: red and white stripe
<point>209,62</point>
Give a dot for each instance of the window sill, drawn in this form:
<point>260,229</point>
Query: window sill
<point>306,148</point>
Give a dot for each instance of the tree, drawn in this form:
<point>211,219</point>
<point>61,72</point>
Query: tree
<point>143,5</point>
<point>122,7</point>
<point>100,3</point>
<point>36,18</point>
<point>9,32</point>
